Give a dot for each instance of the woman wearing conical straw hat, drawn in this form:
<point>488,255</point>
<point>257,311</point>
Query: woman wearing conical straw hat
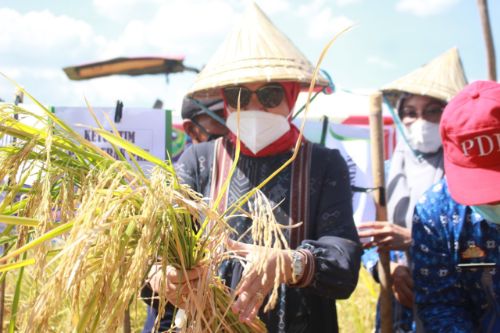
<point>417,163</point>
<point>260,69</point>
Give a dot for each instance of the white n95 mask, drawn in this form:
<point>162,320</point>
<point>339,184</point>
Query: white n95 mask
<point>258,129</point>
<point>424,136</point>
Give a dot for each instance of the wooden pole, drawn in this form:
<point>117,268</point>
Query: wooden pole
<point>488,39</point>
<point>377,156</point>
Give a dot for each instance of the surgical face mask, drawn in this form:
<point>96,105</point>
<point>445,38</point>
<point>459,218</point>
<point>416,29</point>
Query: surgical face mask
<point>424,136</point>
<point>258,129</point>
<point>490,213</point>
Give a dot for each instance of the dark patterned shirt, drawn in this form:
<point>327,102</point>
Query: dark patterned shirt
<point>331,234</point>
<point>446,234</point>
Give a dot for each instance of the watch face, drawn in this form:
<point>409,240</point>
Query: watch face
<point>297,266</point>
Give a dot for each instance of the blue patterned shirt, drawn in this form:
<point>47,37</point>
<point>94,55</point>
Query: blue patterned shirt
<point>445,234</point>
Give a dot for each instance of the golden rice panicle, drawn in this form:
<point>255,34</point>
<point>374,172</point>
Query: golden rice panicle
<point>118,231</point>
<point>267,233</point>
<point>90,246</point>
<point>151,227</point>
<point>45,212</point>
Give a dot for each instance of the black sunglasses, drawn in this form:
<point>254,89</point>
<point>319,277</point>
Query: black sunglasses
<point>270,96</point>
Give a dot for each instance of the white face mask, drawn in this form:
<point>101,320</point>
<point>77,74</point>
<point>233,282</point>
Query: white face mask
<point>258,129</point>
<point>424,136</point>
<point>490,213</point>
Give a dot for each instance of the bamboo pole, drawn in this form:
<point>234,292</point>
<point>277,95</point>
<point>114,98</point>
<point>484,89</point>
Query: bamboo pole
<point>488,39</point>
<point>377,156</point>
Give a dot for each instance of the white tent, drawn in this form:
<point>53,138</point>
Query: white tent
<point>339,105</point>
<point>346,108</point>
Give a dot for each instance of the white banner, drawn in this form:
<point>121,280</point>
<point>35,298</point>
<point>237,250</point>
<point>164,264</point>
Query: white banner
<point>146,128</point>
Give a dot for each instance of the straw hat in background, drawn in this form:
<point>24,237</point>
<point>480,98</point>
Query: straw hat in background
<point>254,51</point>
<point>442,78</point>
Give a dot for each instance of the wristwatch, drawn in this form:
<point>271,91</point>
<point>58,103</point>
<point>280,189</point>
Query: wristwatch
<point>298,266</point>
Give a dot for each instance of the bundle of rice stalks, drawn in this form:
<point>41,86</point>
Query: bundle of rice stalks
<point>90,228</point>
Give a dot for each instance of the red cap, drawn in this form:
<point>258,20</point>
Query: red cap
<point>470,129</point>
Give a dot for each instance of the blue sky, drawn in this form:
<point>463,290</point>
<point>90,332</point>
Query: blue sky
<point>391,38</point>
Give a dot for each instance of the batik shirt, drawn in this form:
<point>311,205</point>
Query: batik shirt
<point>446,234</point>
<point>331,235</point>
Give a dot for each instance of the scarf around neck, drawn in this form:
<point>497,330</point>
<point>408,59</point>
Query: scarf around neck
<point>409,178</point>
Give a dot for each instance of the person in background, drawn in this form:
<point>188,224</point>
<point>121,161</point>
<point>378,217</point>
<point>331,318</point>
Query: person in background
<point>259,67</point>
<point>456,227</point>
<point>417,164</point>
<point>203,120</point>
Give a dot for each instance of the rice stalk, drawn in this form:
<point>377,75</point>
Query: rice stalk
<point>267,233</point>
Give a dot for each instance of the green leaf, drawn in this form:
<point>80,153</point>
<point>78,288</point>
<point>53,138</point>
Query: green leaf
<point>15,301</point>
<point>16,220</point>
<point>16,265</point>
<point>34,243</point>
<point>131,148</point>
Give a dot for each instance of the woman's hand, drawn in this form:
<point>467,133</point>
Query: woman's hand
<point>387,236</point>
<point>402,284</point>
<point>255,286</point>
<point>177,284</point>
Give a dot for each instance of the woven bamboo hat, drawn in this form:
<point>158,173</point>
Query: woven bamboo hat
<point>254,51</point>
<point>442,78</point>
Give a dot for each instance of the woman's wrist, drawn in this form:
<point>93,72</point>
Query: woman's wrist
<point>407,239</point>
<point>298,266</point>
<point>301,268</point>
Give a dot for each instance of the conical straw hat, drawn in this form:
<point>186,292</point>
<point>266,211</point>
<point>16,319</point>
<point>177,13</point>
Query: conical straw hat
<point>442,78</point>
<point>254,51</point>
